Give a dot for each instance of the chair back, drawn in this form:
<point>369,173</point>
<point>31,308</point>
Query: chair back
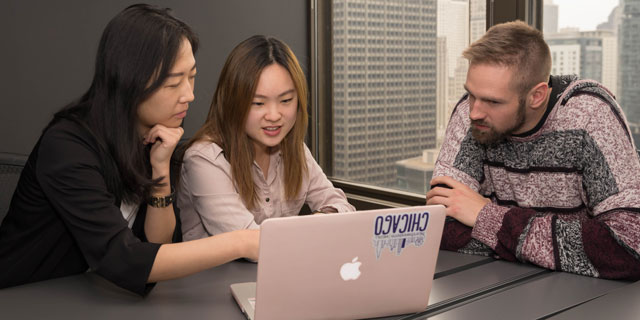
<point>11,165</point>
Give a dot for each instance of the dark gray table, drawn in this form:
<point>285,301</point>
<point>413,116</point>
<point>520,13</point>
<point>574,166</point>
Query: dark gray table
<point>205,295</point>
<point>619,304</point>
<point>464,285</point>
<point>536,297</point>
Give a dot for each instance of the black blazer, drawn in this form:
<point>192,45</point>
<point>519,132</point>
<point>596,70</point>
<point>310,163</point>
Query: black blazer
<point>62,219</point>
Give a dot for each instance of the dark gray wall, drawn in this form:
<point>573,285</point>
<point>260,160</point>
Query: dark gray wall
<point>48,51</point>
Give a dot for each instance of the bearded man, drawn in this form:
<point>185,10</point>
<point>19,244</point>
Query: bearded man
<point>538,168</point>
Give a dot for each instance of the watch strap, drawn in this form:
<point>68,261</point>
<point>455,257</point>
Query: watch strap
<point>161,202</point>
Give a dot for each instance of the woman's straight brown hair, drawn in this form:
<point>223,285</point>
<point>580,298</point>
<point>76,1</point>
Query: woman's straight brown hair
<point>225,123</point>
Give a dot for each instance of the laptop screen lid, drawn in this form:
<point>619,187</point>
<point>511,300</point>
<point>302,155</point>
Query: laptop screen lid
<point>343,266</point>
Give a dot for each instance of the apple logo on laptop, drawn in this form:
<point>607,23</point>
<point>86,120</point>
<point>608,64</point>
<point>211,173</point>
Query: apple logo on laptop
<point>350,270</point>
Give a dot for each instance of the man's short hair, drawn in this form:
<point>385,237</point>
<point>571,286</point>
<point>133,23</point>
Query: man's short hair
<point>514,45</point>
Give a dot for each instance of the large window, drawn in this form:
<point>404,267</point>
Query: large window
<point>386,75</point>
<point>396,74</point>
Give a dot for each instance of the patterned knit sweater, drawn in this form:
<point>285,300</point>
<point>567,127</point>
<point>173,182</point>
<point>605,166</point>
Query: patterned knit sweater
<point>565,196</point>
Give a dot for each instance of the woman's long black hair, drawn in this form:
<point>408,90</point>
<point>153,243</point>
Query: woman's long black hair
<point>137,50</point>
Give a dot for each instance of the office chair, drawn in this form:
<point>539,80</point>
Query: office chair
<point>11,165</point>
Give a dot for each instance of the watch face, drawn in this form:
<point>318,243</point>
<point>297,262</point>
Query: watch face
<point>161,202</point>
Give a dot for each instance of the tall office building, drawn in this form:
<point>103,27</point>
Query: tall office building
<point>613,21</point>
<point>610,62</point>
<point>456,35</point>
<point>590,54</point>
<point>414,174</point>
<point>549,17</point>
<point>565,57</point>
<point>451,76</point>
<point>384,86</point>
<point>477,19</point>
<point>442,85</point>
<point>629,60</point>
<point>610,50</point>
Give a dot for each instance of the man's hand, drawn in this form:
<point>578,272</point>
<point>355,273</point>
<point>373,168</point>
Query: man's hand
<point>462,203</point>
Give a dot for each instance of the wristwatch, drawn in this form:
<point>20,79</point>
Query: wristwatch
<point>161,202</point>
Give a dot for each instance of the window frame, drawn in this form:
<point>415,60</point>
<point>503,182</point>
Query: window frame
<point>320,135</point>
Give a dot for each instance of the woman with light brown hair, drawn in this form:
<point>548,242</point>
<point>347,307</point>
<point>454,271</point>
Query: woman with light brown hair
<point>248,162</point>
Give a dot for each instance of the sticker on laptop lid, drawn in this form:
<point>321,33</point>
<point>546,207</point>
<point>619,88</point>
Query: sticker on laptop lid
<point>397,231</point>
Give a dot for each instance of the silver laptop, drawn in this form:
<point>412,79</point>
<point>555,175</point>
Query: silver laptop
<point>344,266</point>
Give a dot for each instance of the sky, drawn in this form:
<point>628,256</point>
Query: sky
<point>584,14</point>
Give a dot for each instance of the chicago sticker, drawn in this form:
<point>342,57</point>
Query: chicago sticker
<point>397,231</point>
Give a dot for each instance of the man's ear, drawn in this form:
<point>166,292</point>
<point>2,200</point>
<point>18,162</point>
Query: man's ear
<point>538,95</point>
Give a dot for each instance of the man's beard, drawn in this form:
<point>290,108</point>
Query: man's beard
<point>492,136</point>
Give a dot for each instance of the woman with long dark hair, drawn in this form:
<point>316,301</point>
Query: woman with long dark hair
<point>248,162</point>
<point>96,192</point>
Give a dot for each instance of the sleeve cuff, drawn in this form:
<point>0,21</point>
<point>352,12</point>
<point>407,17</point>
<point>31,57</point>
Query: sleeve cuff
<point>488,224</point>
<point>343,208</point>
